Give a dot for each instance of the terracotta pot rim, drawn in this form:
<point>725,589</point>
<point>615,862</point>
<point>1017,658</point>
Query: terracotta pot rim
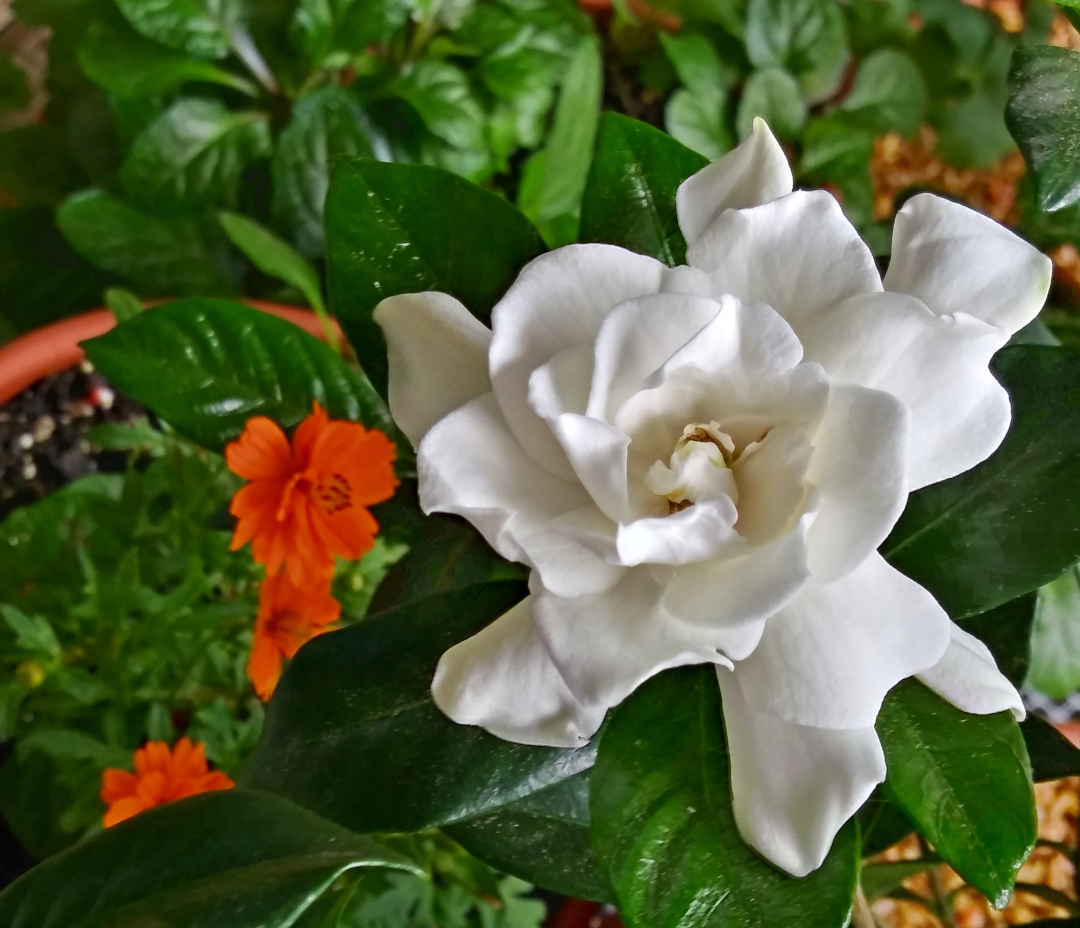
<point>55,347</point>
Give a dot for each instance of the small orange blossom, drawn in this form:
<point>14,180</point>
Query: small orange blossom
<point>161,775</point>
<point>289,616</point>
<point>306,503</point>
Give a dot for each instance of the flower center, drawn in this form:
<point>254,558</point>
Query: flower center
<point>332,494</point>
<point>700,467</point>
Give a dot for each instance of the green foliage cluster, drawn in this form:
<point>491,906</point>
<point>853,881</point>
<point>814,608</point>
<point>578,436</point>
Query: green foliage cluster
<point>160,114</point>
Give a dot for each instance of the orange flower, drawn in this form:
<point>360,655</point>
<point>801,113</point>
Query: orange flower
<point>161,775</point>
<point>305,504</point>
<point>288,617</point>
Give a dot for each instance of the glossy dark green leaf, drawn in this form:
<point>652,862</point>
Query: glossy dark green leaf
<point>170,257</point>
<point>805,37</point>
<point>1008,525</point>
<point>630,196</point>
<point>965,781</point>
<point>775,96</point>
<point>543,838</point>
<point>1043,115</point>
<point>229,859</point>
<point>352,732</point>
<point>228,362</point>
<point>129,65</point>
<point>325,126</point>
<point>403,228</point>
<point>1006,631</point>
<point>664,829</point>
<point>193,26</point>
<point>1053,756</point>
<point>193,154</point>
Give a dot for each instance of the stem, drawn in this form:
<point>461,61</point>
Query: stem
<point>862,916</point>
<point>247,52</point>
<point>941,901</point>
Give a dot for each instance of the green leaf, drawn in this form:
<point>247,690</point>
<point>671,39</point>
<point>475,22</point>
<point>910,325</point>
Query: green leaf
<point>129,65</point>
<point>170,257</point>
<point>1007,526</point>
<point>805,37</point>
<point>664,828</point>
<point>325,126</point>
<point>353,711</point>
<point>882,823</point>
<point>350,26</point>
<point>630,195</point>
<point>229,362</point>
<point>36,165</point>
<point>123,303</point>
<point>699,122</point>
<point>697,62</point>
<point>1043,115</point>
<point>775,96</point>
<point>965,781</point>
<point>889,94</point>
<point>877,880</point>
<point>32,633</point>
<point>274,257</point>
<point>398,228</point>
<point>192,26</point>
<point>543,838</point>
<point>573,132</point>
<point>227,859</point>
<point>441,95</point>
<point>1053,756</point>
<point>1055,640</point>
<point>193,154</point>
<point>1006,631</point>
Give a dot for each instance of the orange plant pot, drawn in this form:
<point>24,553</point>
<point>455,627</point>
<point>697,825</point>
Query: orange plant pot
<point>54,348</point>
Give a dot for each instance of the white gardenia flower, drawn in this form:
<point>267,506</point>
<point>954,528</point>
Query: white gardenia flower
<point>699,463</point>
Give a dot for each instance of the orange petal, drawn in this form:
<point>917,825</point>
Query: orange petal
<point>117,784</point>
<point>307,435</point>
<point>264,667</point>
<point>261,452</point>
<point>122,810</point>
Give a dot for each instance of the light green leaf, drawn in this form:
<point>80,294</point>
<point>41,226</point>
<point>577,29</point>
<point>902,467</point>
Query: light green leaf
<point>776,97</point>
<point>129,65</point>
<point>889,94</point>
<point>441,95</point>
<point>32,632</point>
<point>329,27</point>
<point>193,154</point>
<point>229,362</point>
<point>965,781</point>
<point>123,303</point>
<point>325,126</point>
<point>804,37</point>
<point>570,146</point>
<point>664,828</point>
<point>197,27</point>
<point>699,122</point>
<point>1043,115</point>
<point>226,859</point>
<point>697,62</point>
<point>274,257</point>
<point>157,255</point>
<point>1055,638</point>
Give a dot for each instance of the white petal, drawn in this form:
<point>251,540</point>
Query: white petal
<point>562,385</point>
<point>741,591</point>
<point>469,464</point>
<point>438,356</point>
<point>697,533</point>
<point>793,787</point>
<point>959,261</point>
<point>597,453</point>
<point>773,488</point>
<point>636,339</point>
<point>798,254</point>
<point>754,173</point>
<point>938,366</point>
<point>967,676</point>
<point>503,680</point>
<point>828,658</point>
<point>558,300</point>
<point>859,467</point>
<point>606,646</point>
